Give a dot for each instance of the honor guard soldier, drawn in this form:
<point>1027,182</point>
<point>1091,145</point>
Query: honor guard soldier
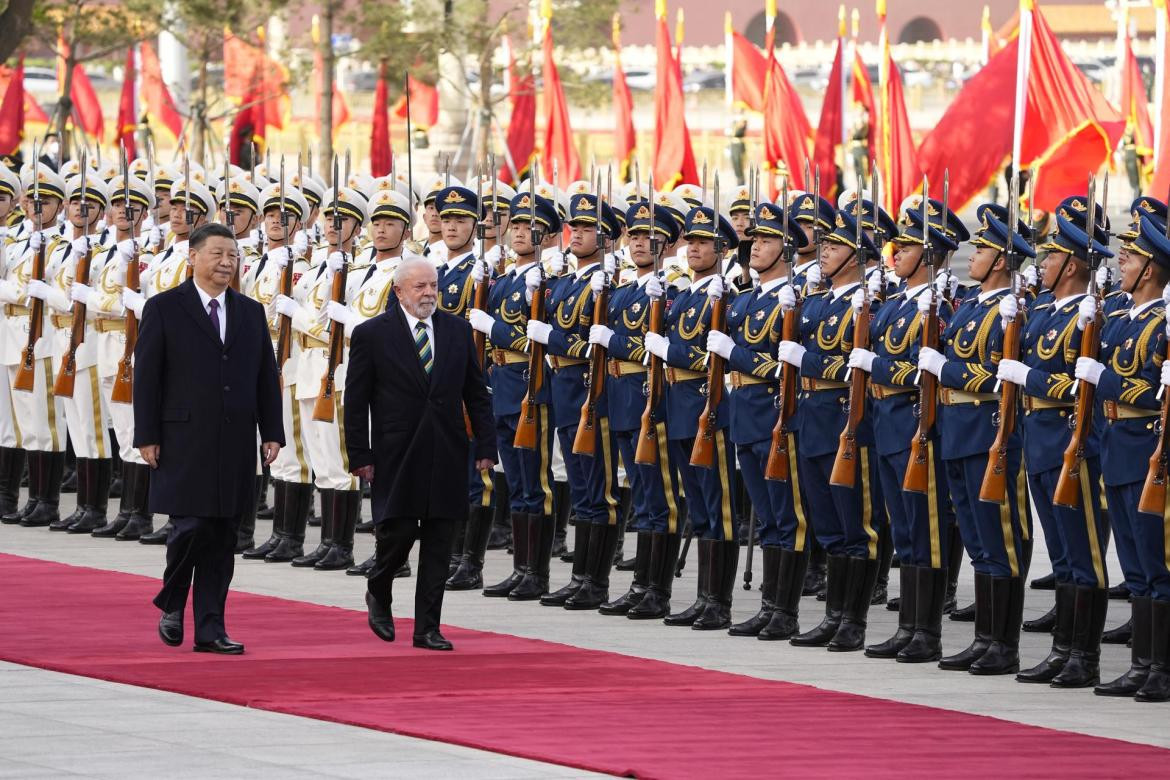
<point>291,472</point>
<point>1076,536</point>
<point>653,486</point>
<point>755,324</point>
<point>12,458</point>
<point>243,199</point>
<point>842,515</point>
<point>1128,376</point>
<point>105,300</point>
<point>519,396</point>
<point>436,249</point>
<point>190,208</point>
<point>816,218</point>
<point>36,411</point>
<point>920,522</point>
<point>709,490</point>
<point>1143,206</point>
<point>593,481</point>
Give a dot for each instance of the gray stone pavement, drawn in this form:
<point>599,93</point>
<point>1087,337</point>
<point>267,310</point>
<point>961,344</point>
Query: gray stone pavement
<point>383,754</point>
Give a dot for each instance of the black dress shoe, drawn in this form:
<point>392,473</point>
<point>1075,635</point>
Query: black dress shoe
<point>381,620</point>
<point>170,628</point>
<point>221,646</point>
<point>432,640</point>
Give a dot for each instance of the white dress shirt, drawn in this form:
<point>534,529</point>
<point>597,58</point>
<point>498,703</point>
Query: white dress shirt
<point>206,300</point>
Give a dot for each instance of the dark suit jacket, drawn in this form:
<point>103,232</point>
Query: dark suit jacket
<point>202,401</point>
<point>420,444</point>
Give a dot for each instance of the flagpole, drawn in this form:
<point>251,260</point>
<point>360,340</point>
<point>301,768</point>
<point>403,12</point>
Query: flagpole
<point>844,90</point>
<point>883,114</point>
<point>1159,74</point>
<point>1023,61</point>
<point>1122,35</point>
<point>729,62</point>
<point>985,29</point>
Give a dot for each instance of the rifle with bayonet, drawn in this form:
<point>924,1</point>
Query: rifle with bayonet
<point>323,409</point>
<point>527,425</point>
<point>585,441</point>
<point>26,372</point>
<point>779,466</point>
<point>284,327</point>
<point>123,391</point>
<point>703,451</point>
<point>646,453</point>
<point>66,375</point>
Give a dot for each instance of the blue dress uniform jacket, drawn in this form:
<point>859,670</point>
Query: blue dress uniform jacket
<point>687,324</point>
<point>456,287</point>
<point>755,321</point>
<point>570,313</point>
<point>506,302</point>
<point>629,318</point>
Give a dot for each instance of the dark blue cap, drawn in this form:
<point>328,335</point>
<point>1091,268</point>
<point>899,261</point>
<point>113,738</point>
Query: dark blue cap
<point>770,222</point>
<point>583,211</point>
<point>638,221</point>
<point>994,233</point>
<point>1144,206</point>
<point>1075,209</point>
<point>1072,239</point>
<point>457,202</point>
<point>946,231</point>
<point>526,207</point>
<point>807,208</point>
<point>703,223</point>
<point>845,232</point>
<point>1001,213</point>
<point>1151,241</point>
<point>886,225</point>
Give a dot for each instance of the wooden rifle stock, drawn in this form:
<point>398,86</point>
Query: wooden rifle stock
<point>917,479</point>
<point>67,374</point>
<point>1153,499</point>
<point>480,339</point>
<point>284,329</point>
<point>778,468</point>
<point>703,452</point>
<point>323,409</point>
<point>123,392</point>
<point>585,441</point>
<point>1068,486</point>
<point>26,371</point>
<point>526,428</point>
<point>844,472</point>
<point>646,453</point>
<point>994,487</point>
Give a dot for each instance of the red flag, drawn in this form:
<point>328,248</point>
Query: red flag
<point>897,157</point>
<point>127,110</point>
<point>250,75</point>
<point>1069,128</point>
<point>786,127</point>
<point>558,134</point>
<point>381,155</point>
<point>1161,182</point>
<point>1134,105</point>
<point>156,98</point>
<point>831,126</point>
<point>250,125</point>
<point>521,140</point>
<point>12,111</point>
<point>424,103</point>
<point>861,89</point>
<point>674,159</point>
<point>749,68</point>
<point>87,110</point>
<point>625,140</point>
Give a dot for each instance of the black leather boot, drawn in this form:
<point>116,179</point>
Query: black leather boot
<point>836,580</point>
<point>458,541</point>
<point>594,591</point>
<point>246,532</point>
<point>1157,684</point>
<point>961,661</point>
<point>1122,635</point>
<point>298,501</point>
<point>21,458</point>
<point>907,588</point>
<point>1043,624</point>
<point>1062,631</point>
<point>11,470</point>
<point>1139,669</point>
<point>640,583</point>
<point>469,574</point>
<point>99,496</point>
<point>784,623</point>
<point>562,514</point>
<point>885,560</point>
<point>364,568</point>
<point>125,504</point>
<point>815,573</point>
<point>157,537</point>
<point>347,507</point>
<point>1007,608</point>
<point>534,584</point>
<point>850,634</point>
<point>954,564</point>
<point>501,535</point>
<point>314,520</point>
<point>1083,669</point>
<point>141,520</point>
<point>279,514</point>
<point>83,488</point>
<point>926,644</point>
<point>655,603</point>
<point>51,468</point>
<point>328,507</point>
<point>716,616</point>
<point>519,527</point>
<point>768,585</point>
<point>691,613</point>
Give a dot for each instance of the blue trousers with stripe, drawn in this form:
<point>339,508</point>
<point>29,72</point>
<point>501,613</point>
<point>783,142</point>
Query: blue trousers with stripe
<point>528,472</point>
<point>1077,538</point>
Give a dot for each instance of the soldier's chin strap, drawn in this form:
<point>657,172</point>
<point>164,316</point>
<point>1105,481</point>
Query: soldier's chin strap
<point>1138,279</point>
<point>840,267</point>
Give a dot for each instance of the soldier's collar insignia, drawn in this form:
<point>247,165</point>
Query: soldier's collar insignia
<point>832,321</point>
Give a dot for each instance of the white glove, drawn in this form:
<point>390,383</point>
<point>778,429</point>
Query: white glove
<point>609,264</point>
<point>654,287</point>
<point>858,299</point>
<point>36,240</point>
<point>1012,371</point>
<point>875,282</point>
<point>1030,276</point>
<point>1166,294</point>
<point>657,345</point>
<point>538,331</point>
<point>81,293</point>
<point>1102,275</point>
<point>790,352</point>
<point>1009,307</point>
<point>1089,370</point>
<point>126,250</point>
<point>339,312</point>
<point>1087,311</point>
<point>9,291</point>
<point>278,257</point>
<point>156,238</point>
<point>335,262</point>
<point>716,288</point>
<point>1166,373</point>
<point>597,282</point>
<point>861,358</point>
<point>300,244</point>
<point>80,246</point>
<point>556,263</point>
<point>133,301</point>
<point>481,321</point>
<point>720,343</point>
<point>925,301</point>
<point>931,360</point>
<point>600,335</point>
<point>531,281</point>
<point>38,289</point>
<point>284,305</point>
<point>478,272</point>
<point>787,297</point>
<point>942,282</point>
<point>100,226</point>
<point>813,275</point>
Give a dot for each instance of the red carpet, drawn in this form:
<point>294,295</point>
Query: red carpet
<point>550,702</point>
